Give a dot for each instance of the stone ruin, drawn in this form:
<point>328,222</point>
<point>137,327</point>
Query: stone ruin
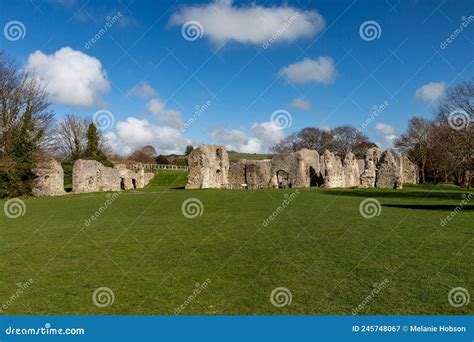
<point>209,167</point>
<point>49,179</point>
<point>87,176</point>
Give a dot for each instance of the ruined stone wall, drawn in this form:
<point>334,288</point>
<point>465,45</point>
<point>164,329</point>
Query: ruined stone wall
<point>333,171</point>
<point>208,167</point>
<point>49,179</point>
<point>92,176</point>
<point>409,171</point>
<point>351,171</point>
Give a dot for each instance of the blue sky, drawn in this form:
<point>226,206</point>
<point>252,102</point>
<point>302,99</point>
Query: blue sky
<point>308,61</point>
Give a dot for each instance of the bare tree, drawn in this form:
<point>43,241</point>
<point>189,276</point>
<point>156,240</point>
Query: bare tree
<point>349,139</point>
<point>415,142</point>
<point>455,117</point>
<point>72,136</point>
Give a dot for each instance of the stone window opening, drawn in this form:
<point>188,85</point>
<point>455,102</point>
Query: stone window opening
<point>122,183</point>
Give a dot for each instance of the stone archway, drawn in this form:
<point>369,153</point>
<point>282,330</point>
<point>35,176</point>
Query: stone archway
<point>283,179</point>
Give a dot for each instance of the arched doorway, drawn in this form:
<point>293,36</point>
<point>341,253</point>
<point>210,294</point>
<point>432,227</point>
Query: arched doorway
<point>134,183</point>
<point>313,177</point>
<point>122,183</point>
<point>282,179</point>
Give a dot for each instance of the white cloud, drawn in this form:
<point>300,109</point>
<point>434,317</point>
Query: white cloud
<point>431,92</point>
<point>222,22</point>
<point>301,104</point>
<point>70,77</point>
<point>319,70</point>
<point>134,133</point>
<point>144,90</point>
<point>385,134</point>
<point>166,116</point>
<point>265,135</point>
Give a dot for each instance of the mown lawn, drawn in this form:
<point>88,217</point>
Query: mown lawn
<point>319,247</point>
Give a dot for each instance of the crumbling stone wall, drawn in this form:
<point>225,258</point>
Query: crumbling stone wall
<point>208,167</point>
<point>49,179</point>
<point>333,171</point>
<point>388,172</point>
<point>351,171</point>
<point>92,176</point>
<point>409,171</point>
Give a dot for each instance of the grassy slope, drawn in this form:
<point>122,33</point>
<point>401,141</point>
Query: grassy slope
<point>233,156</point>
<point>319,247</point>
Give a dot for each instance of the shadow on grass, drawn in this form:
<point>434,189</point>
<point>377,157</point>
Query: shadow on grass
<point>442,207</point>
<point>449,195</point>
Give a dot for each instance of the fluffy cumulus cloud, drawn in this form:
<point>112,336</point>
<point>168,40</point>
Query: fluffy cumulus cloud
<point>70,77</point>
<point>320,70</point>
<point>156,106</point>
<point>221,22</point>
<point>144,90</point>
<point>385,135</point>
<point>431,92</point>
<point>166,116</point>
<point>134,133</point>
<point>301,104</point>
<point>264,136</point>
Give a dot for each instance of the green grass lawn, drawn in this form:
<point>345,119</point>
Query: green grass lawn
<point>319,247</point>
